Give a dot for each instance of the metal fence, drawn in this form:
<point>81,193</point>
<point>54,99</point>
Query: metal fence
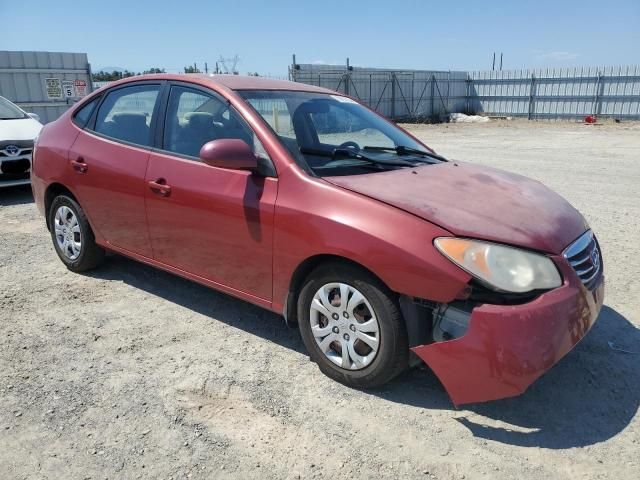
<point>558,93</point>
<point>46,83</point>
<point>419,95</point>
<point>401,95</point>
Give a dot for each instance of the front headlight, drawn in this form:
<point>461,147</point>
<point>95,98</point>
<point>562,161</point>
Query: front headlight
<point>504,268</point>
<point>33,150</point>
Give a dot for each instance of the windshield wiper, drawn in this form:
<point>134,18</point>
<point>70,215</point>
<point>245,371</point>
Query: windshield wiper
<point>347,153</point>
<point>402,150</point>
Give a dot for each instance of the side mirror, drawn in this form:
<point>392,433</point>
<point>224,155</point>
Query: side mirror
<point>230,153</point>
<point>35,116</point>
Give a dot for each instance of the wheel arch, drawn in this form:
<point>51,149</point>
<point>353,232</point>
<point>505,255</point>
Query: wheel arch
<point>303,270</point>
<point>414,314</point>
<point>54,190</point>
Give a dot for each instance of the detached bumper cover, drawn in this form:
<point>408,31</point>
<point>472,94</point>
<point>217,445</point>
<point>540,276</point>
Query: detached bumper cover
<point>506,348</point>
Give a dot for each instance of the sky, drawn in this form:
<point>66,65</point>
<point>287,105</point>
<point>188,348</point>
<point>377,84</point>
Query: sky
<point>407,34</point>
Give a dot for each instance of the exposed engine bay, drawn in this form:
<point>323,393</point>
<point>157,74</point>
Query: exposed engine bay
<point>430,322</point>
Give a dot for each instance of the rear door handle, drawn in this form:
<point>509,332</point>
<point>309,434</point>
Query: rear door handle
<point>79,165</point>
<point>160,187</point>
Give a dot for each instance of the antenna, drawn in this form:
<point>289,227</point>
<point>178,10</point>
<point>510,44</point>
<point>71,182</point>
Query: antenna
<point>233,62</point>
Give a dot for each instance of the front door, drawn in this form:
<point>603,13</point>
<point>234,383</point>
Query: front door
<point>211,222</point>
<point>109,159</point>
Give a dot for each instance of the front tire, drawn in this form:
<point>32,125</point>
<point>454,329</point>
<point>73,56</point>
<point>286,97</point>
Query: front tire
<point>352,327</point>
<point>72,236</point>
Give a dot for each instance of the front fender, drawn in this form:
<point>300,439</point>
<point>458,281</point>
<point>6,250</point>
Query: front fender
<point>394,245</point>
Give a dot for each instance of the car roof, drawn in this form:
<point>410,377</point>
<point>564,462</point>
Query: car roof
<point>231,82</point>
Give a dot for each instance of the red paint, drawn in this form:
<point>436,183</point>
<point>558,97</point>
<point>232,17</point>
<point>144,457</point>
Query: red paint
<point>213,221</point>
<point>477,202</point>
<point>229,153</point>
<point>112,190</point>
<point>246,235</point>
<point>507,348</point>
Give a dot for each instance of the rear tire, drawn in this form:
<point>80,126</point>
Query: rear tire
<point>367,324</point>
<point>72,236</point>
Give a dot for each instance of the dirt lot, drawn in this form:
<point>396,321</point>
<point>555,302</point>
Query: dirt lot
<point>129,372</point>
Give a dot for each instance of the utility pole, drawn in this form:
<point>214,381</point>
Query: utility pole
<point>500,61</point>
<point>206,67</point>
<point>493,66</point>
<point>292,70</point>
<point>347,78</point>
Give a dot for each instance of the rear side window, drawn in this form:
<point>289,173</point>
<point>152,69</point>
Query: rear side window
<point>84,114</point>
<point>195,118</point>
<point>126,114</point>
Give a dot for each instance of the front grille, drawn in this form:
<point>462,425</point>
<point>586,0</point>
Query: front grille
<point>584,257</point>
<point>18,148</point>
<point>15,167</point>
<point>12,177</point>
<point>21,153</point>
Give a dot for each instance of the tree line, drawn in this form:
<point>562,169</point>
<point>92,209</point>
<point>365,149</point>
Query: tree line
<point>102,76</point>
<point>117,75</point>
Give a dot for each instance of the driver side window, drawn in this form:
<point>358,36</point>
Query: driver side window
<point>194,118</point>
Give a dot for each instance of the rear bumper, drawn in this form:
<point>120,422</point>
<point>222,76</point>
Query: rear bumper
<point>506,348</point>
<point>38,188</point>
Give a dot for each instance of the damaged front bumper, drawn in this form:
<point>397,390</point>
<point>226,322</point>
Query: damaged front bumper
<point>507,347</point>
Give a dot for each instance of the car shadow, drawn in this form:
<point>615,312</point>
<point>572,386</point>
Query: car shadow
<point>19,195</point>
<point>588,397</point>
<point>201,299</point>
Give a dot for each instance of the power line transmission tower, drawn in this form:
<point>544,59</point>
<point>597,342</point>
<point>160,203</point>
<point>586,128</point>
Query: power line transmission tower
<point>233,62</point>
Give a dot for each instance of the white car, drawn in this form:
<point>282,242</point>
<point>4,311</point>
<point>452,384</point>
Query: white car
<point>18,129</point>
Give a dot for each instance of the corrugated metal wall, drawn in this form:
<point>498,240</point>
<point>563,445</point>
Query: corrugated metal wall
<point>534,94</point>
<point>401,95</point>
<point>46,83</point>
<point>564,93</point>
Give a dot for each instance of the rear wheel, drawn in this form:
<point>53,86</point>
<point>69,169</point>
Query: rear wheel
<point>72,236</point>
<point>352,327</point>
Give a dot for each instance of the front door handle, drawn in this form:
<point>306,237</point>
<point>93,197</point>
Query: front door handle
<point>79,165</point>
<point>160,187</point>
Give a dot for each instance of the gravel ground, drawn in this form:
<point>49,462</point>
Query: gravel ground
<point>129,372</point>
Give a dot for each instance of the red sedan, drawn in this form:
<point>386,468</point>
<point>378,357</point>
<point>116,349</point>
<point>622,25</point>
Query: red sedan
<point>307,203</point>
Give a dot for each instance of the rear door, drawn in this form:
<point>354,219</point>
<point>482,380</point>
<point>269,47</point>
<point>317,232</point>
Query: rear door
<point>109,159</point>
<point>211,222</point>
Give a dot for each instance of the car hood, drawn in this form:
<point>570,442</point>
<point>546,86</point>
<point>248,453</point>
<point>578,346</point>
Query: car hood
<point>19,129</point>
<point>476,201</point>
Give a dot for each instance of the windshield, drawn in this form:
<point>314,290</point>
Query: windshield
<point>8,111</point>
<point>334,135</point>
